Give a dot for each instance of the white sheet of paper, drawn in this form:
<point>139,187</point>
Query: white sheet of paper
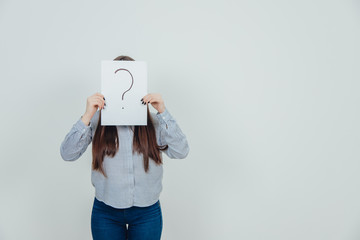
<point>123,84</point>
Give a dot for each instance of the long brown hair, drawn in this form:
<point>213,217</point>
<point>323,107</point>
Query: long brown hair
<point>106,140</point>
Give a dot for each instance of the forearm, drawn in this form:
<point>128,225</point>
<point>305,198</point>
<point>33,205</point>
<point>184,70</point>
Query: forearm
<point>85,118</point>
<point>75,141</point>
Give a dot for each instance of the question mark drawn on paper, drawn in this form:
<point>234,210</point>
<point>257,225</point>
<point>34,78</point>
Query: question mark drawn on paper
<point>132,82</point>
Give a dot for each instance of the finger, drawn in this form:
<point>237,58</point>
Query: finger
<point>97,103</point>
<point>99,94</point>
<point>145,99</point>
<point>151,97</point>
<point>154,97</point>
<point>150,100</point>
<point>148,95</point>
<point>101,100</point>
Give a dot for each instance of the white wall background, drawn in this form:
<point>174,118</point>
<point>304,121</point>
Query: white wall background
<point>267,93</point>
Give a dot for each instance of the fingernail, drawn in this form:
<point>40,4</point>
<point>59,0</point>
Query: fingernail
<point>141,99</point>
<point>104,98</point>
<point>148,101</point>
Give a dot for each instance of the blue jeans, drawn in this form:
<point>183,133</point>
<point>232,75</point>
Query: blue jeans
<point>144,223</point>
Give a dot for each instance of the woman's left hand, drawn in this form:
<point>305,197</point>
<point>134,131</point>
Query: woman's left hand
<point>155,100</point>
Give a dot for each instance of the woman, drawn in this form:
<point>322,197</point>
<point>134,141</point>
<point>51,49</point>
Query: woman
<point>126,167</point>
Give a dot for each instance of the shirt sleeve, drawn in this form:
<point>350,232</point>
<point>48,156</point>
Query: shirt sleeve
<point>169,133</point>
<point>78,138</point>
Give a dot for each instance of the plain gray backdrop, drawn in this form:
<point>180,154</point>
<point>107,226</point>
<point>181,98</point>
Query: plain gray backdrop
<point>267,93</point>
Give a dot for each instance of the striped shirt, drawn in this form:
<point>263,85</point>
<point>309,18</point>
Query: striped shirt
<point>127,184</point>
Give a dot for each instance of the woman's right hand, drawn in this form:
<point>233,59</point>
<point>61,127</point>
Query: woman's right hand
<point>93,102</point>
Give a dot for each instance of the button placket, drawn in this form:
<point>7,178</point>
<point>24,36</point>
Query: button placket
<point>131,168</point>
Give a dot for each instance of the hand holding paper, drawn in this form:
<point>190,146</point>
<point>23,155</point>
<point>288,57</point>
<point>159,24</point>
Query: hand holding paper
<point>93,102</point>
<point>155,100</point>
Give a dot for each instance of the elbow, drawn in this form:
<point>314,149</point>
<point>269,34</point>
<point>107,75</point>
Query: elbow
<point>186,152</point>
<point>66,157</point>
<point>181,155</point>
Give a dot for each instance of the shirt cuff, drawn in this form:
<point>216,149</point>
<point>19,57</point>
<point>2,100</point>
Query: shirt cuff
<point>80,125</point>
<point>164,117</point>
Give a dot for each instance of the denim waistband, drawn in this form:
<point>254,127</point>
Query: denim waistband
<point>102,204</point>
